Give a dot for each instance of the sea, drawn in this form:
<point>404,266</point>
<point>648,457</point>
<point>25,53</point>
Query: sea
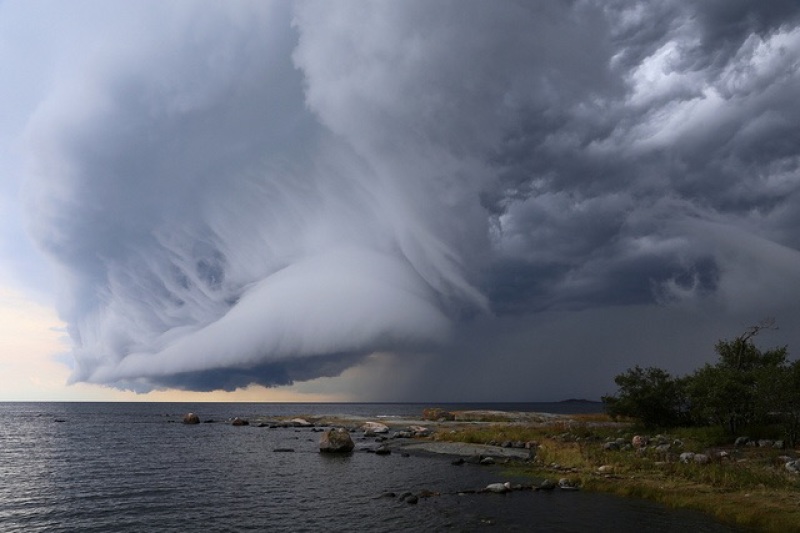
<point>134,467</point>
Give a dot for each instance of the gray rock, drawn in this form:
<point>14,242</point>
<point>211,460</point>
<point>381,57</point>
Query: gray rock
<point>487,461</point>
<point>383,450</point>
<point>686,457</point>
<point>547,484</point>
<point>300,423</point>
<point>374,428</point>
<point>765,443</point>
<point>499,488</point>
<point>191,418</point>
<point>741,441</point>
<point>793,466</point>
<point>419,431</point>
<point>701,458</point>
<point>611,446</point>
<point>336,441</point>
<point>240,422</point>
<point>567,484</point>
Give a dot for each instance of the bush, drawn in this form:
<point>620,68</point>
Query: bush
<point>650,395</point>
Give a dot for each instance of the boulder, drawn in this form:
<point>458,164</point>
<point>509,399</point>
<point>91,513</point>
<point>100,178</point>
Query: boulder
<point>300,423</point>
<point>336,441</point>
<point>374,427</point>
<point>240,422</point>
<point>499,488</point>
<point>191,418</point>
<point>383,450</point>
<point>567,484</point>
<point>687,457</point>
<point>487,461</point>
<point>611,446</point>
<point>547,484</point>
<point>702,459</point>
<point>419,431</point>
<point>793,467</point>
<point>639,441</point>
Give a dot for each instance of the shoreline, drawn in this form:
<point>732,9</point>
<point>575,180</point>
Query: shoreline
<point>745,487</point>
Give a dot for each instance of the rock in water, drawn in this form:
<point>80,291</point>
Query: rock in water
<point>336,441</point>
<point>499,488</point>
<point>375,427</point>
<point>240,422</point>
<point>547,484</point>
<point>191,418</point>
<point>567,484</point>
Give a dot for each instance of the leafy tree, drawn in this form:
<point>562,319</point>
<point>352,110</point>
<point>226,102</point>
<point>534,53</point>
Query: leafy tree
<point>650,395</point>
<point>783,397</point>
<point>740,389</point>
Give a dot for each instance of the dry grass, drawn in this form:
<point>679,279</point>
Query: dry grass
<point>751,489</point>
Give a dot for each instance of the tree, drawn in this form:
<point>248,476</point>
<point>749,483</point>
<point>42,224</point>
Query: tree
<point>783,397</point>
<point>738,390</point>
<point>650,395</point>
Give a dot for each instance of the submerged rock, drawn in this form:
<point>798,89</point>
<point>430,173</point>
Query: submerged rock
<point>336,441</point>
<point>567,484</point>
<point>547,484</point>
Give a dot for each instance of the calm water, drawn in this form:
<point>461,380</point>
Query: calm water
<point>135,467</point>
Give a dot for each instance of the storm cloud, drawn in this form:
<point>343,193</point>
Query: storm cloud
<point>502,194</point>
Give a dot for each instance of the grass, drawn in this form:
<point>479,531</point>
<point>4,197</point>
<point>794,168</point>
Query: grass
<point>749,487</point>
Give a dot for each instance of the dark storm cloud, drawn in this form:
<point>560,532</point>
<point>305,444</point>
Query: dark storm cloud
<point>246,193</point>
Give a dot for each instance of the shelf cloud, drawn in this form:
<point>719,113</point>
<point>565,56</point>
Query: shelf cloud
<point>265,192</point>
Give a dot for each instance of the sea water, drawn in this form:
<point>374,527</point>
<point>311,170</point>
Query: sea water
<point>135,467</point>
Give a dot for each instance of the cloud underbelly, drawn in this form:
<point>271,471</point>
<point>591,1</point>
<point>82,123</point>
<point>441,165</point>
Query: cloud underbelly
<point>345,301</point>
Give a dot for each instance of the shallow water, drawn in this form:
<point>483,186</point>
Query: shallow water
<point>135,467</point>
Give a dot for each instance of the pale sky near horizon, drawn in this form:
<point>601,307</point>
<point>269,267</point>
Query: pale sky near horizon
<point>427,200</point>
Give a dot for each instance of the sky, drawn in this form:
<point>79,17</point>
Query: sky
<point>391,201</point>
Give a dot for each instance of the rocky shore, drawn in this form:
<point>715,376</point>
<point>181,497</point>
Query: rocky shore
<point>750,482</point>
